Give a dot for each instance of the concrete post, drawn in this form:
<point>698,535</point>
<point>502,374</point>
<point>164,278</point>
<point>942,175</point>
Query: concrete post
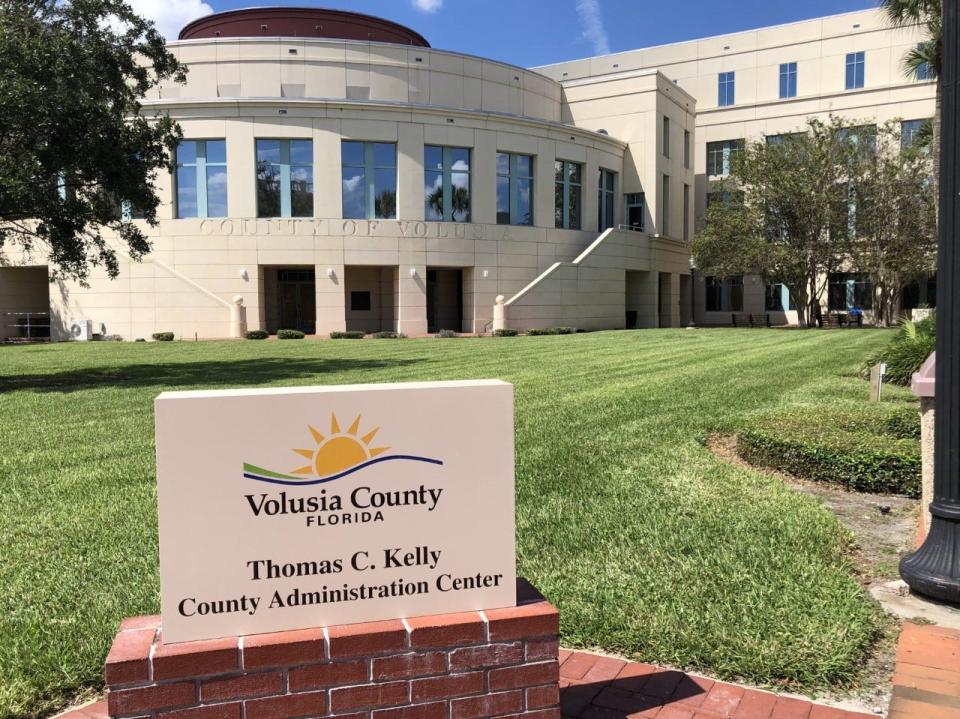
<point>499,313</point>
<point>238,318</point>
<point>924,387</point>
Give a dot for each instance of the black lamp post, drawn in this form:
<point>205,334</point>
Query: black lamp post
<point>934,569</point>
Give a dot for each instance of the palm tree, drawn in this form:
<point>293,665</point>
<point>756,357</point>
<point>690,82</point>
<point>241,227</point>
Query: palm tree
<point>926,57</point>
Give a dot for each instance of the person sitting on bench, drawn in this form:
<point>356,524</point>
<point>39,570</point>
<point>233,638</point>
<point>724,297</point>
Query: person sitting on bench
<point>855,316</point>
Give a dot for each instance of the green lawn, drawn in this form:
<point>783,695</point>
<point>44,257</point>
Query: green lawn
<point>649,545</point>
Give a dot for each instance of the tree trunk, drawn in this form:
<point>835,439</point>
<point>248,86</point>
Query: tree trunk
<point>803,311</point>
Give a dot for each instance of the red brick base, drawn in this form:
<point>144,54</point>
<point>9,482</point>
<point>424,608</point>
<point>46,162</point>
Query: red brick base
<point>497,663</point>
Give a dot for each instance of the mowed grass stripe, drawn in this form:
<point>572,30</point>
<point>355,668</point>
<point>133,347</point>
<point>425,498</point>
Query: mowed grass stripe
<point>649,545</point>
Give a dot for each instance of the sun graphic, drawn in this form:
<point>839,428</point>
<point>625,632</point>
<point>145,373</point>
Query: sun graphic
<point>339,450</point>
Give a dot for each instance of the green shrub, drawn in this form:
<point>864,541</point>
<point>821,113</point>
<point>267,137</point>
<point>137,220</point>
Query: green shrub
<point>505,332</point>
<point>873,450</point>
<point>347,335</point>
<point>256,334</point>
<point>162,336</point>
<point>907,351</point>
<point>904,424</point>
<point>446,334</point>
<point>540,331</point>
<point>388,335</point>
<point>289,335</point>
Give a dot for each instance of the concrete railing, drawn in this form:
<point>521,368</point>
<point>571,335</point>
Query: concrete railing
<point>501,308</point>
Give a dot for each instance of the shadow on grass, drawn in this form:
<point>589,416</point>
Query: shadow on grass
<point>192,374</point>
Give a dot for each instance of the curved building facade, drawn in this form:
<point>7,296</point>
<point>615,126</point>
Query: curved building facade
<point>338,173</point>
<point>333,183</point>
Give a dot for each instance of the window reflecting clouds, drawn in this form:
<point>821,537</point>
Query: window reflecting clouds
<point>369,179</point>
<point>567,194</point>
<point>201,178</point>
<point>284,178</point>
<point>446,183</point>
<point>514,189</point>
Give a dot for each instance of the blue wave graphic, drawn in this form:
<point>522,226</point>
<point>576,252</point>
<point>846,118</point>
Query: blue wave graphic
<point>357,468</point>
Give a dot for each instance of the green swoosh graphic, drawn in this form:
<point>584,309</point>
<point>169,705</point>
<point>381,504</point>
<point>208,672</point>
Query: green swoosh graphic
<point>247,467</point>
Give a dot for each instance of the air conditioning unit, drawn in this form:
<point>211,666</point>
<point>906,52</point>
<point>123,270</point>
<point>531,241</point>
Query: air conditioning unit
<point>81,330</point>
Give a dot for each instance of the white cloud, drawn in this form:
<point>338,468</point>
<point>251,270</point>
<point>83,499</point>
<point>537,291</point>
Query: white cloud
<point>592,26</point>
<point>217,179</point>
<point>170,15</point>
<point>427,5</point>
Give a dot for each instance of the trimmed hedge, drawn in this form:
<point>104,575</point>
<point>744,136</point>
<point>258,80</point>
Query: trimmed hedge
<point>256,334</point>
<point>388,335</point>
<point>505,332</point>
<point>869,450</point>
<point>289,335</point>
<point>541,331</point>
<point>162,336</point>
<point>347,335</point>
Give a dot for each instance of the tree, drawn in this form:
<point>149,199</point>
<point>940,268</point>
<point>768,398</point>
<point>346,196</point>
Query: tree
<point>74,140</point>
<point>925,60</point>
<point>782,213</point>
<point>894,219</point>
<point>459,201</point>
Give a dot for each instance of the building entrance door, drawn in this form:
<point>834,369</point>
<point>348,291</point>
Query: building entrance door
<point>297,293</point>
<point>444,299</point>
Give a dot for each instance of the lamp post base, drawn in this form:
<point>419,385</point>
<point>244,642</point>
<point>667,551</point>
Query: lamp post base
<point>934,569</point>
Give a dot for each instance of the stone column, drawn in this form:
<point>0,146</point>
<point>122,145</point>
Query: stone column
<point>238,318</point>
<point>924,387</point>
<point>331,302</point>
<point>412,305</point>
<point>641,292</point>
<point>674,299</point>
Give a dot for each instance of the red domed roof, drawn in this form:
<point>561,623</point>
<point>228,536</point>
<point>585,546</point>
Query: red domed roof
<point>301,22</point>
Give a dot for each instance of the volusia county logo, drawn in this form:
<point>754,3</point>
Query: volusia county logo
<point>335,455</point>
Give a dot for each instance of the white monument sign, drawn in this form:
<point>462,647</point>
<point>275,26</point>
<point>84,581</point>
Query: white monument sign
<point>302,507</point>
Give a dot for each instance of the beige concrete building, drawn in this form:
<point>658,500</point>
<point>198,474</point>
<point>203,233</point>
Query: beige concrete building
<point>760,84</point>
<point>338,173</point>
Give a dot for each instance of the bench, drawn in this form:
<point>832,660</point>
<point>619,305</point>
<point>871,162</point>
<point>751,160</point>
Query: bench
<point>842,319</point>
<point>751,320</point>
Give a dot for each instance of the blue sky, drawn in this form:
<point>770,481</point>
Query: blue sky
<point>538,32</point>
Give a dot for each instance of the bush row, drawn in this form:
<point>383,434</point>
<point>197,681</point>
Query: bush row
<point>551,331</point>
<point>298,335</point>
<point>869,450</point>
<point>285,334</point>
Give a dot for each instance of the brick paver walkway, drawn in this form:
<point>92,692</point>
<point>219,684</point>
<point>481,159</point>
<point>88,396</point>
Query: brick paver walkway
<point>926,686</point>
<point>926,682</point>
<point>598,687</point>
